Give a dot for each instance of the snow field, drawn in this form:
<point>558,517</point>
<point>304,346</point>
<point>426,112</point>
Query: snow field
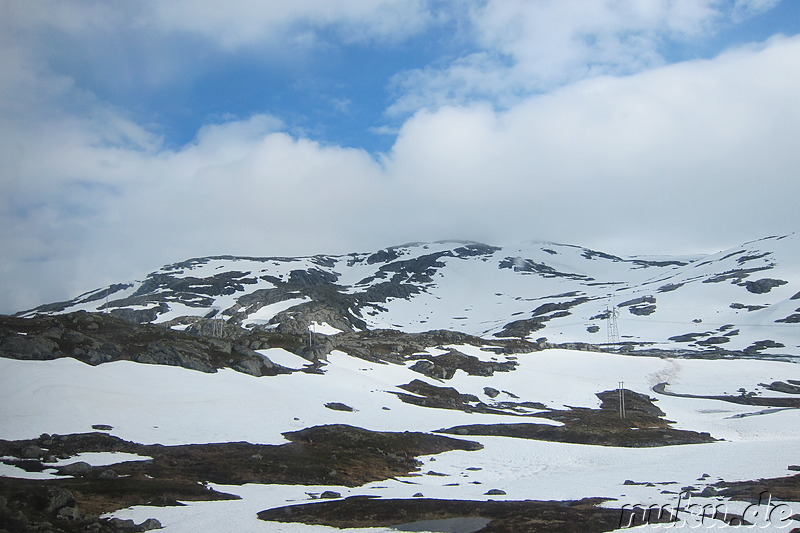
<point>170,405</point>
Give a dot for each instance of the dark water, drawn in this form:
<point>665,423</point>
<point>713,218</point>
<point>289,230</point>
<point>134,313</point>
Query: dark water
<point>464,524</point>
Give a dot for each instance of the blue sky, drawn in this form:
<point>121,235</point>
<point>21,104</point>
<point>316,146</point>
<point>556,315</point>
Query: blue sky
<point>144,132</point>
<point>334,93</point>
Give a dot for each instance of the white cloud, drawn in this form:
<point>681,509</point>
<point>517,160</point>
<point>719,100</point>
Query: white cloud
<point>238,23</point>
<point>525,47</point>
<point>623,158</point>
<point>744,9</point>
<point>674,158</point>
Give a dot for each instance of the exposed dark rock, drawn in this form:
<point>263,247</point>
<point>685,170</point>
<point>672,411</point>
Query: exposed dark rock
<point>748,307</point>
<point>418,270</point>
<point>141,316</point>
<point>782,386</point>
<point>577,346</point>
<point>521,328</point>
<point>386,345</point>
<point>557,306</point>
<point>312,277</point>
<point>334,455</point>
<point>635,402</point>
<point>669,287</point>
<point>518,264</point>
<point>736,275</point>
<point>643,425</point>
<point>688,337</point>
<point>107,474</point>
<point>444,366</point>
<point>446,397</point>
<point>791,319</point>
<point>764,285</point>
<point>337,406</point>
<point>713,340</point>
<point>642,310</point>
<point>431,370</point>
<point>762,345</point>
<point>786,489</point>
<point>496,516</point>
<point>383,256</point>
<point>475,249</point>
<point>638,301</point>
<point>97,338</point>
<point>746,258</point>
<point>744,399</point>
<point>31,451</point>
<point>426,395</point>
<point>592,254</point>
<point>79,468</point>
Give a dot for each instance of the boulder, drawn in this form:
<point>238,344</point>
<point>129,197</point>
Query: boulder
<point>75,469</point>
<point>57,498</point>
<point>108,474</point>
<point>31,451</point>
<point>68,513</point>
<point>150,524</point>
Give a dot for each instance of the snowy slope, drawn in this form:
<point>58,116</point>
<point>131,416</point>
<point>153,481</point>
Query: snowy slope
<point>744,300</point>
<point>169,405</point>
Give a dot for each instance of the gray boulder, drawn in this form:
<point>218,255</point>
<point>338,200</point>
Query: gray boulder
<point>75,469</point>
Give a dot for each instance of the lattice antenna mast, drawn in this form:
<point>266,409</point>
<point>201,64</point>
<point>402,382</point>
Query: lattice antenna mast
<point>612,313</point>
<point>217,322</point>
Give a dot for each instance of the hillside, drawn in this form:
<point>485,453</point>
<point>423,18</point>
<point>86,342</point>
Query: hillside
<point>744,301</point>
<point>443,387</point>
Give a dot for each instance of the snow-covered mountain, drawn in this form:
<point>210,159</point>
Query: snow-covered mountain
<point>745,300</point>
<point>409,390</point>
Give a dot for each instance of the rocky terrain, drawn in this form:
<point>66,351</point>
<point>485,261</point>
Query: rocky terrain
<point>380,383</point>
<point>740,302</point>
<point>325,454</point>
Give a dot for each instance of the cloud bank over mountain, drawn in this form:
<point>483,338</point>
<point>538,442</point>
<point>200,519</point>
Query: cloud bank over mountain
<point>631,126</point>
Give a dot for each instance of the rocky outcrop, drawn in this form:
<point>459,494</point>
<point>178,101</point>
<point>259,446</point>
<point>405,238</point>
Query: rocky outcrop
<point>763,286</point>
<point>642,425</point>
<point>444,366</point>
<point>452,515</point>
<point>100,338</point>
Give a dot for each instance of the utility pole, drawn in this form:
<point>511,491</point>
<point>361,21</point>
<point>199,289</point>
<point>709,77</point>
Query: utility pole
<point>621,395</point>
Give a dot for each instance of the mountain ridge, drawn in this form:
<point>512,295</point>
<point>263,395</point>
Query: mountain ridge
<point>740,300</point>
